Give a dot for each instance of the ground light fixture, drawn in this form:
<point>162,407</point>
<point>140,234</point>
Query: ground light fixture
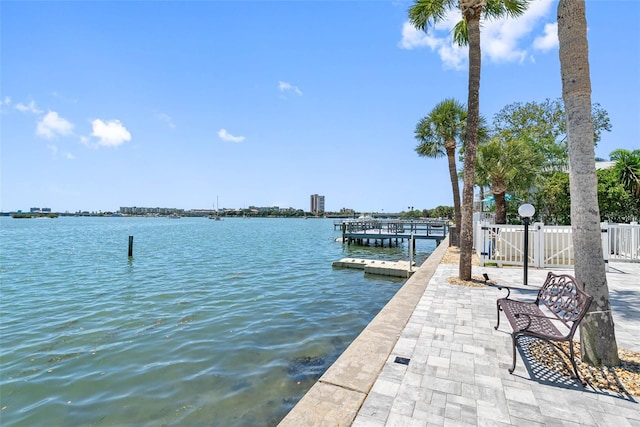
<point>526,211</point>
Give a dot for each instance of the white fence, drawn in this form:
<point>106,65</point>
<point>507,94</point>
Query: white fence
<point>623,243</point>
<point>550,245</point>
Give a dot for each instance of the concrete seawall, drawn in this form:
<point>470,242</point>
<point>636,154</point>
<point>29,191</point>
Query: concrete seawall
<point>338,395</point>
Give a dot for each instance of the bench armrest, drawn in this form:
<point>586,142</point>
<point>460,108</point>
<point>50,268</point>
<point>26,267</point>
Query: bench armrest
<point>507,288</point>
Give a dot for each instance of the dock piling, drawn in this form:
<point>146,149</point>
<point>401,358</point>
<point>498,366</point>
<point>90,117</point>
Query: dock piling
<point>411,249</point>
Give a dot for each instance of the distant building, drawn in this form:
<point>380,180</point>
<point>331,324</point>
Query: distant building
<point>604,165</point>
<point>40,210</point>
<point>317,204</point>
<point>134,210</point>
<point>264,208</point>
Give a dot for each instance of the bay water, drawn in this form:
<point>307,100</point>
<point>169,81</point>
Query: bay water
<point>210,323</point>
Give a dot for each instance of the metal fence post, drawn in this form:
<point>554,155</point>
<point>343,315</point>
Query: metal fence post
<point>606,250</point>
<point>538,244</point>
<point>484,242</point>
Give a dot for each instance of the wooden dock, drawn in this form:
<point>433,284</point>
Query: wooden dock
<point>379,231</point>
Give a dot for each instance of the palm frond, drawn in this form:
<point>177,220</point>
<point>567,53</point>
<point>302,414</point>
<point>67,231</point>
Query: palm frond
<point>494,9</point>
<point>425,13</point>
<point>460,33</point>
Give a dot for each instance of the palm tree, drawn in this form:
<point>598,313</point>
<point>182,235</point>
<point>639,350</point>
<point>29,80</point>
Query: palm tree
<point>597,333</point>
<point>425,13</point>
<point>439,134</point>
<point>508,165</point>
<point>627,168</point>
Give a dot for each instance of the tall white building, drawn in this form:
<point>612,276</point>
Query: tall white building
<point>317,204</point>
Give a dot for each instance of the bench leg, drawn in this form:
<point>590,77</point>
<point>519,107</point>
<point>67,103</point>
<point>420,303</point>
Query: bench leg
<point>573,362</point>
<point>514,341</point>
<point>498,315</point>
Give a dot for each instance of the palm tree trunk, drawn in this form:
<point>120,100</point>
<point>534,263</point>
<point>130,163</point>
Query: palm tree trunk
<point>597,334</point>
<point>501,207</point>
<point>455,186</point>
<point>473,111</point>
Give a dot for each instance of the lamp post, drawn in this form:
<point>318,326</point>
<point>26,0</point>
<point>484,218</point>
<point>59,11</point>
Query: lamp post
<point>526,211</point>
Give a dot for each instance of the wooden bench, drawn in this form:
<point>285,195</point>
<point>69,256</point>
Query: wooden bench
<point>554,316</point>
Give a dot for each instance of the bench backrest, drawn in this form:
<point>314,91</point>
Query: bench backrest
<point>564,298</point>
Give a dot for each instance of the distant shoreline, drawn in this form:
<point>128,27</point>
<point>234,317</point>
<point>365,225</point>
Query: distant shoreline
<point>29,215</point>
<point>186,215</point>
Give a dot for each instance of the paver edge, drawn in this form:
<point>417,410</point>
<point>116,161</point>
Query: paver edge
<point>358,367</point>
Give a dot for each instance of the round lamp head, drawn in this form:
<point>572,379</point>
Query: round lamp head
<point>527,210</point>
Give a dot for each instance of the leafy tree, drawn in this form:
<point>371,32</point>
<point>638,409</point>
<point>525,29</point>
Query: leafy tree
<point>439,134</point>
<point>411,214</point>
<point>553,201</point>
<point>442,212</point>
<point>545,124</point>
<point>509,165</point>
<point>617,204</point>
<point>627,169</point>
<point>597,332</point>
<point>425,13</point>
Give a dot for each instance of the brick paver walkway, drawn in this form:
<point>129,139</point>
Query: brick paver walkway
<point>457,363</point>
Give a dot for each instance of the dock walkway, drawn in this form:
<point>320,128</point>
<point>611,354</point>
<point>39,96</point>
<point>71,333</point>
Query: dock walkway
<point>362,232</point>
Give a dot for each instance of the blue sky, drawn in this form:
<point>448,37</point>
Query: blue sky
<point>177,104</point>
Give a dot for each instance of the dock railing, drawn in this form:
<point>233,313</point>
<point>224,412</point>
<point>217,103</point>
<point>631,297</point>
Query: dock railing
<point>365,231</point>
<point>393,226</point>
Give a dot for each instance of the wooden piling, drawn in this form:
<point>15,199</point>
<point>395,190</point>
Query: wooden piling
<point>130,246</point>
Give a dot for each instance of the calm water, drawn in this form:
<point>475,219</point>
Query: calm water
<point>218,323</point>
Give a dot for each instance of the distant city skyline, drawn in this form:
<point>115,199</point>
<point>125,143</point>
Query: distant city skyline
<point>168,209</point>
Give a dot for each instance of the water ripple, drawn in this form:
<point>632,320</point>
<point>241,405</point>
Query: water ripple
<point>223,323</point>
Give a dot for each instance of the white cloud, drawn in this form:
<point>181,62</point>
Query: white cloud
<point>508,40</point>
<point>5,102</point>
<point>453,56</point>
<point>226,136</point>
<point>52,125</point>
<point>288,87</point>
<point>28,108</point>
<point>439,39</point>
<point>57,95</point>
<point>54,150</point>
<point>413,38</point>
<point>549,40</point>
<point>167,119</point>
<point>500,41</point>
<point>111,133</point>
<point>504,40</point>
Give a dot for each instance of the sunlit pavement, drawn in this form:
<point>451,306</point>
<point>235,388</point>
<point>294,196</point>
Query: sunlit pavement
<point>449,365</point>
